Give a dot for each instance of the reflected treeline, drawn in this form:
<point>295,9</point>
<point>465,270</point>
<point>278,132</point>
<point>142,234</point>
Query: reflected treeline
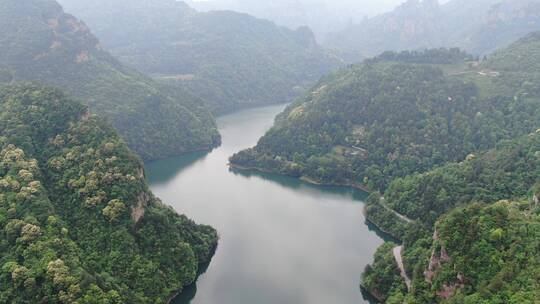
<point>190,291</point>
<point>368,297</point>
<point>166,169</point>
<point>383,235</point>
<point>295,183</point>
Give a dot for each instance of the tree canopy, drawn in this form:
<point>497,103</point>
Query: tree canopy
<point>44,45</point>
<point>78,223</point>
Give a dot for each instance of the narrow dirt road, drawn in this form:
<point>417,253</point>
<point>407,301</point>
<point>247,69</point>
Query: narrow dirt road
<point>399,260</point>
<point>401,216</point>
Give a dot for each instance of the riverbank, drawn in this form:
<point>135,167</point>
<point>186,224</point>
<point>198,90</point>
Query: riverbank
<point>356,186</point>
<point>399,219</point>
<point>304,178</point>
<point>267,222</point>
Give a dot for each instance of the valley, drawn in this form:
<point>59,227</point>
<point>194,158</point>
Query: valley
<point>154,153</point>
<point>308,244</point>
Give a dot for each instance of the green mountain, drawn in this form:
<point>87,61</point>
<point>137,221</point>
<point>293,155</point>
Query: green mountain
<point>231,60</point>
<point>474,230</point>
<point>78,222</point>
<point>479,26</point>
<point>470,230</point>
<point>40,43</point>
<point>394,115</point>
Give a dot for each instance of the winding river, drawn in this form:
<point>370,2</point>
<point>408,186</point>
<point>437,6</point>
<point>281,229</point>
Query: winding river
<point>281,240</point>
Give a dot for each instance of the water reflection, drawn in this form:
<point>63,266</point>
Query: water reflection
<point>190,291</point>
<point>171,167</point>
<point>295,183</point>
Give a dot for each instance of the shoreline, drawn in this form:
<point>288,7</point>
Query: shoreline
<point>317,183</point>
<point>173,296</point>
<point>391,235</point>
<point>356,186</point>
<point>372,294</point>
<point>304,178</point>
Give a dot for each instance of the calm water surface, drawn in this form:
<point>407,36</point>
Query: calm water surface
<point>281,240</point>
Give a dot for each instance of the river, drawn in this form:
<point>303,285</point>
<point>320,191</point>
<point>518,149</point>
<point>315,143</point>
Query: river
<point>281,240</point>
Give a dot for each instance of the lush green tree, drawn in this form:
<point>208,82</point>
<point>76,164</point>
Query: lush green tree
<point>42,44</point>
<point>229,59</point>
<point>391,116</point>
<point>78,222</point>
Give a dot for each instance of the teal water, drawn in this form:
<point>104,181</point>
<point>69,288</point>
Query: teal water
<point>281,240</point>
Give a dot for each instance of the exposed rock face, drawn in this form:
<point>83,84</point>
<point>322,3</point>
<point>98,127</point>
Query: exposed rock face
<point>138,210</point>
<point>435,264</point>
<point>479,26</point>
<point>436,260</point>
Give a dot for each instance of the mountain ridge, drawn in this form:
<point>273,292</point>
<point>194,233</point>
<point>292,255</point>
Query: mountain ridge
<point>51,47</point>
<point>229,59</point>
<point>479,27</point>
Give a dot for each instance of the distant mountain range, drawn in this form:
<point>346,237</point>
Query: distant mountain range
<point>479,26</point>
<point>322,16</point>
<point>231,60</point>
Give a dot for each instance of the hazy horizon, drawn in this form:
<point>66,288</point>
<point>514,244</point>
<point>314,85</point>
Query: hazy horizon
<point>370,7</point>
<point>322,16</point>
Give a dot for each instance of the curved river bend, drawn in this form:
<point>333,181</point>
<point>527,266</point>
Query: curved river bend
<point>281,240</point>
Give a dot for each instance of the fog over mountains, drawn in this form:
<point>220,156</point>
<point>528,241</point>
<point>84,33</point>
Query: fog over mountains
<point>371,27</point>
<point>479,27</point>
<point>323,16</point>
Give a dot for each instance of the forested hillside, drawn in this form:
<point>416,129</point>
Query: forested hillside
<point>483,251</point>
<point>78,223</point>
<point>479,26</point>
<point>231,60</point>
<point>391,116</point>
<point>41,43</point>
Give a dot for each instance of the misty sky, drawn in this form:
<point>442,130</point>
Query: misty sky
<point>368,7</point>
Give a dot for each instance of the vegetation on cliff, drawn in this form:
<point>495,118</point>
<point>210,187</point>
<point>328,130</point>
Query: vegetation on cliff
<point>476,228</point>
<point>391,116</point>
<point>40,43</point>
<point>78,223</point>
<point>231,60</point>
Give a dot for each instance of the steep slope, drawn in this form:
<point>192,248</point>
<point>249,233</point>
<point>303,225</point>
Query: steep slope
<point>392,116</point>
<point>518,58</point>
<point>41,43</point>
<point>479,27</point>
<point>475,253</point>
<point>508,172</point>
<point>78,222</point>
<point>231,60</point>
<point>473,229</point>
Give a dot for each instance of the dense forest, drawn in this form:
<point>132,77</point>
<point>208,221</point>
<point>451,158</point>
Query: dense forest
<point>446,140</point>
<point>231,60</point>
<point>479,26</point>
<point>40,43</point>
<point>79,224</point>
<point>347,130</point>
<point>483,251</point>
<point>449,147</point>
